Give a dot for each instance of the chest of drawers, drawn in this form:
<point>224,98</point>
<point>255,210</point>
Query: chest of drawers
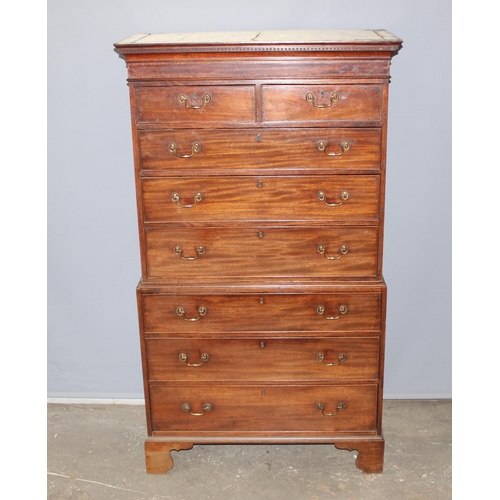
<point>260,173</point>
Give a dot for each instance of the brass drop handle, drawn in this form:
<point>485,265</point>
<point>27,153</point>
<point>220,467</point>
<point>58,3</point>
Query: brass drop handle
<point>204,100</point>
<point>321,358</point>
<point>321,408</point>
<point>177,199</point>
<point>344,146</point>
<point>333,99</point>
<point>201,312</point>
<point>342,310</point>
<point>199,251</point>
<point>195,148</point>
<point>206,408</point>
<point>204,358</point>
<point>344,196</point>
<point>343,251</point>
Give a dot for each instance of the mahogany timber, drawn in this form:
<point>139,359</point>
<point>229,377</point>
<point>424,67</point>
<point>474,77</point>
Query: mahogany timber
<point>228,359</point>
<point>263,149</point>
<point>262,251</point>
<point>262,198</point>
<point>256,313</point>
<point>260,176</point>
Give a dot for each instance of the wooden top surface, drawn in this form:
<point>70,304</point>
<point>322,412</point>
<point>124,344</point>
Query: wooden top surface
<point>258,40</point>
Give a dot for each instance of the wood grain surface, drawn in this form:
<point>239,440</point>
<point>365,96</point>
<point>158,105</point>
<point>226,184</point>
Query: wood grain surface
<point>261,251</point>
<point>279,408</point>
<point>259,162</point>
<point>263,359</point>
<point>261,198</point>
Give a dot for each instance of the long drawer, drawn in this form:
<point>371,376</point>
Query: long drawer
<point>191,252</point>
<point>262,359</point>
<point>250,408</point>
<point>335,198</point>
<point>204,314</point>
<point>202,149</point>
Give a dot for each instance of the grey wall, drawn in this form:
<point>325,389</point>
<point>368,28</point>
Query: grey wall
<point>93,254</point>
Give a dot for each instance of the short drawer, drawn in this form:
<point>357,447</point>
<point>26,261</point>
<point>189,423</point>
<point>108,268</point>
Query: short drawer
<point>192,252</point>
<point>263,359</point>
<point>264,149</point>
<point>193,315</point>
<point>327,199</point>
<point>195,105</point>
<point>277,408</point>
<point>322,105</point>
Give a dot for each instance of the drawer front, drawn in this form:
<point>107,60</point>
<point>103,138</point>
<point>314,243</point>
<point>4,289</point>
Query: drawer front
<point>204,314</point>
<point>322,105</point>
<point>263,408</point>
<point>195,105</point>
<point>206,150</point>
<point>250,68</point>
<point>327,199</point>
<point>191,252</point>
<point>279,360</point>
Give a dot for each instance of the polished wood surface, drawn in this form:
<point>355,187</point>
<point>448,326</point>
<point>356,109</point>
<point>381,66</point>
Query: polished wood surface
<point>268,358</point>
<point>352,105</point>
<point>262,199</point>
<point>265,408</point>
<point>238,68</point>
<point>262,149</point>
<point>262,251</point>
<point>260,175</point>
<point>264,313</point>
<point>185,105</point>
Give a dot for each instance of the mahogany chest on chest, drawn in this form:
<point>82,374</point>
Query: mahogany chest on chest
<point>260,173</point>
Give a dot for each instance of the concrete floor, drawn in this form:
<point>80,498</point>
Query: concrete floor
<point>95,452</point>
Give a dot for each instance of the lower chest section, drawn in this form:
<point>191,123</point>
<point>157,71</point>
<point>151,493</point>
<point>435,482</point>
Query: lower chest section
<point>263,362</point>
